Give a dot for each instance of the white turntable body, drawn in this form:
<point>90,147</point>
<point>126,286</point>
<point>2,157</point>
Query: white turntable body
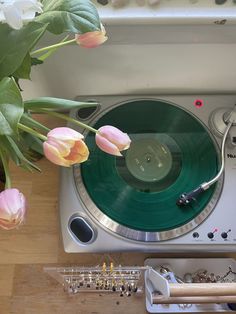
<point>177,51</point>
<point>215,233</point>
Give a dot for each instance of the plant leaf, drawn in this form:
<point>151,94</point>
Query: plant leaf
<point>34,146</point>
<point>13,151</point>
<point>8,148</point>
<point>36,61</point>
<point>11,106</point>
<point>24,70</point>
<point>55,103</point>
<point>27,120</point>
<point>23,161</point>
<point>76,16</point>
<point>15,44</point>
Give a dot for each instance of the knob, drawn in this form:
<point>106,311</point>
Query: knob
<point>195,235</point>
<point>210,235</point>
<point>224,235</point>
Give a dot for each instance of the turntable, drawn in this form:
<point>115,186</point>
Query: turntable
<point>173,190</point>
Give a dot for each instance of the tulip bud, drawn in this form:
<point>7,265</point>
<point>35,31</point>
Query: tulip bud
<point>12,208</point>
<point>65,147</point>
<point>111,140</point>
<point>91,39</point>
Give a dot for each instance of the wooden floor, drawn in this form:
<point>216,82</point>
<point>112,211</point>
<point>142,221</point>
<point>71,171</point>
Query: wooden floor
<point>24,287</point>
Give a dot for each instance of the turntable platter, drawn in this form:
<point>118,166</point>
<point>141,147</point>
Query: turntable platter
<point>171,152</point>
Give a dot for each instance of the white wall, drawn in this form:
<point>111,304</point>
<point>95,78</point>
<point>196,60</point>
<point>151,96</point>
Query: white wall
<point>143,60</point>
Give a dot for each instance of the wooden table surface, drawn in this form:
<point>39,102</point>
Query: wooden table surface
<point>24,287</point>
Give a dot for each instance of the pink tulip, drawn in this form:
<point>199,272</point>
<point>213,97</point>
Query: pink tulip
<point>65,147</point>
<point>12,208</point>
<point>91,39</point>
<point>111,140</point>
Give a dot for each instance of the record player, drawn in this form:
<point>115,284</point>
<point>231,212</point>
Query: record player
<point>132,203</point>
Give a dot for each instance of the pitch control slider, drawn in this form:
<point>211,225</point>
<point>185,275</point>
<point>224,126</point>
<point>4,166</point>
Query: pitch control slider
<point>187,198</point>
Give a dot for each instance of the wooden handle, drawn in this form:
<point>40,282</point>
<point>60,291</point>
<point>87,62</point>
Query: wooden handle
<point>159,299</point>
<point>202,289</point>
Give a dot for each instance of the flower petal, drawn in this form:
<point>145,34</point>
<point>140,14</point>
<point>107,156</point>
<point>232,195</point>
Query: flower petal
<point>53,155</point>
<point>79,153</point>
<point>65,147</point>
<point>30,5</point>
<point>17,12</point>
<point>64,133</point>
<point>106,145</point>
<point>13,16</point>
<point>115,136</point>
<point>12,208</point>
<point>92,39</point>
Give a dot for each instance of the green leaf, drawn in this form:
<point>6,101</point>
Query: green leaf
<point>24,70</point>
<point>4,163</point>
<point>13,148</point>
<point>36,61</point>
<point>15,44</point>
<point>27,120</point>
<point>55,103</point>
<point>11,106</point>
<point>8,148</point>
<point>76,16</point>
<point>34,146</point>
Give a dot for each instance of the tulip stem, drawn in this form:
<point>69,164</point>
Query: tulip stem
<point>58,45</point>
<point>6,169</point>
<point>31,131</point>
<point>47,54</point>
<point>69,119</point>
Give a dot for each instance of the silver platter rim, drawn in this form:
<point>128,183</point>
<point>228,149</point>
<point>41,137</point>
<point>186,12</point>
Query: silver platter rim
<point>139,235</point>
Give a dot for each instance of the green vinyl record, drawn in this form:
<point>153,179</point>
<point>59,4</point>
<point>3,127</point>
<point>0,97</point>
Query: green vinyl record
<point>171,153</point>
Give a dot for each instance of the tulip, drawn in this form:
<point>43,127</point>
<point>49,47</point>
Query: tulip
<point>12,208</point>
<point>91,39</point>
<point>111,140</point>
<point>65,147</point>
<point>16,12</point>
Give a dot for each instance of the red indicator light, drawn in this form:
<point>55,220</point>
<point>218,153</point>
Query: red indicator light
<point>198,103</point>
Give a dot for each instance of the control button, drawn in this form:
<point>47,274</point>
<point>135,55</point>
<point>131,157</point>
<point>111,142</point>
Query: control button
<point>81,230</point>
<point>195,235</point>
<point>224,235</point>
<point>210,235</point>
